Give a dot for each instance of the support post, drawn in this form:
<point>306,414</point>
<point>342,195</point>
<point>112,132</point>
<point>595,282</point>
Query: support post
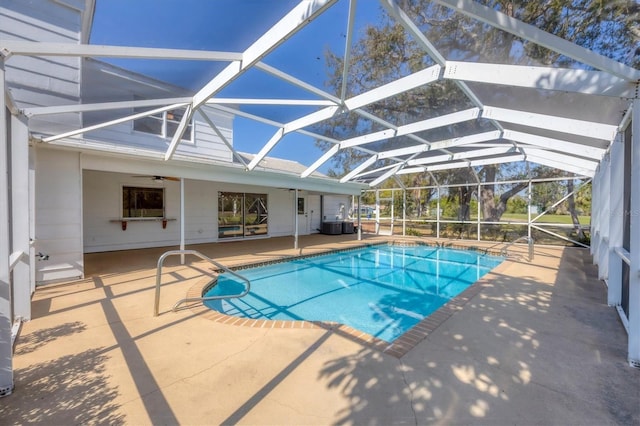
<point>182,220</point>
<point>614,198</point>
<point>438,214</point>
<point>392,212</point>
<point>6,319</point>
<point>404,212</point>
<point>529,198</point>
<point>359,217</point>
<point>32,218</point>
<point>634,248</point>
<point>295,221</point>
<point>377,228</point>
<point>478,212</point>
<point>602,249</point>
<point>20,217</point>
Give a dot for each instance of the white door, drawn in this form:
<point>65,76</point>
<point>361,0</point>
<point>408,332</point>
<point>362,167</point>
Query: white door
<point>303,215</point>
<point>315,221</point>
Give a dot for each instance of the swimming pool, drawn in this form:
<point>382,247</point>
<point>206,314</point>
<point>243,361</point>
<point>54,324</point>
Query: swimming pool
<point>381,290</point>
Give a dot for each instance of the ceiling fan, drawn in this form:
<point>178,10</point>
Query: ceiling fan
<point>157,178</point>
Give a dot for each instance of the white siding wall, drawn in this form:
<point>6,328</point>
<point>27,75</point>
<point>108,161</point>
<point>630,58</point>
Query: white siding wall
<point>207,144</point>
<point>201,211</point>
<point>281,212</point>
<point>105,83</point>
<point>51,21</point>
<point>331,207</point>
<point>102,204</point>
<point>58,215</point>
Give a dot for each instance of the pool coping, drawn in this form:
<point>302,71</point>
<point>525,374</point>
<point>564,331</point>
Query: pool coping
<point>398,348</point>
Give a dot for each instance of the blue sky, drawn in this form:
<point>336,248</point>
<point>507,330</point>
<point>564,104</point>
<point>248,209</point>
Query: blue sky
<point>232,25</point>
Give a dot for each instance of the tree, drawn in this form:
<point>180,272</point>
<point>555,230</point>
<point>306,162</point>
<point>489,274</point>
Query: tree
<point>385,52</point>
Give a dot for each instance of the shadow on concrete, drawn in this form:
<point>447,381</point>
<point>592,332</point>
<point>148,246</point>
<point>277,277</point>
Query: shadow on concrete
<point>157,408</point>
<point>263,392</point>
<point>38,338</point>
<point>521,351</point>
<point>72,389</point>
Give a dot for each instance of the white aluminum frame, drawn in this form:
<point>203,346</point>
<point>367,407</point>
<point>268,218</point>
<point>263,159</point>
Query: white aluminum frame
<point>603,162</point>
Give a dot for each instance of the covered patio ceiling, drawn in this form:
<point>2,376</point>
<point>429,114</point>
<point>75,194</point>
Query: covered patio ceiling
<point>564,118</point>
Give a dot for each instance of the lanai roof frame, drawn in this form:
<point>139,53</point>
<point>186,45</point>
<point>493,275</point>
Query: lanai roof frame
<point>612,79</point>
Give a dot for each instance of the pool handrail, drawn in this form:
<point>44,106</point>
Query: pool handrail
<point>195,299</point>
<point>529,241</point>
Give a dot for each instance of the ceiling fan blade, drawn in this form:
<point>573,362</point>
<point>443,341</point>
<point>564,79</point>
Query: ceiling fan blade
<point>157,177</point>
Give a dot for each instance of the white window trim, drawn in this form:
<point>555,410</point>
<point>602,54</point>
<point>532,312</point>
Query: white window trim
<point>163,132</point>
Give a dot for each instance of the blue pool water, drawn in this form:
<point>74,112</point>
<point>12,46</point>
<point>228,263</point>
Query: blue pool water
<point>381,290</point>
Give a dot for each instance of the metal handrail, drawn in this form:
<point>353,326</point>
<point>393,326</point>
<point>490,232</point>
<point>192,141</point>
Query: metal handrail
<point>529,241</point>
<point>195,299</point>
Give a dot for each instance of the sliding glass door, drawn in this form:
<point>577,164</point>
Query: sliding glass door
<point>242,215</point>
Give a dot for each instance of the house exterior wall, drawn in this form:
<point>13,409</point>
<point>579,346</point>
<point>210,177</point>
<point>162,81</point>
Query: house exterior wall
<point>58,192</point>
<point>331,207</point>
<point>102,203</point>
<point>105,83</point>
<point>51,21</point>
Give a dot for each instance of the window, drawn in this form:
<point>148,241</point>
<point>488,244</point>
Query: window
<point>300,205</point>
<point>163,124</point>
<point>142,202</point>
<point>242,215</point>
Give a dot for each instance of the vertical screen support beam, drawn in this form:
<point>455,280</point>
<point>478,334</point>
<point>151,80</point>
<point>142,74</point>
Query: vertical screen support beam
<point>614,197</point>
<point>377,226</point>
<point>32,218</point>
<point>529,199</point>
<point>182,220</point>
<point>603,242</point>
<point>634,248</point>
<point>6,348</point>
<point>438,214</point>
<point>478,209</point>
<point>404,212</point>
<point>359,217</point>
<point>295,221</point>
<point>19,218</point>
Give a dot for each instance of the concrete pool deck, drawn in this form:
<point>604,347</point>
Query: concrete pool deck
<point>537,344</point>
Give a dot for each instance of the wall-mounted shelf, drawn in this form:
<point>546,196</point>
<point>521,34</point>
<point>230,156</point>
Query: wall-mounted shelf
<point>123,222</point>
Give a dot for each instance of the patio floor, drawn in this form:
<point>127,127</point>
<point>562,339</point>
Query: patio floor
<point>536,345</point>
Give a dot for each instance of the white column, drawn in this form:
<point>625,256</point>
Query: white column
<point>615,199</point>
<point>295,219</point>
<point>6,352</point>
<point>359,221</point>
<point>634,275</point>
<point>438,215</point>
<point>20,217</point>
<point>595,204</point>
<point>32,218</point>
<point>602,251</point>
<point>392,210</point>
<point>478,211</point>
<point>404,212</point>
<point>377,231</point>
<point>182,220</point>
<point>529,198</point>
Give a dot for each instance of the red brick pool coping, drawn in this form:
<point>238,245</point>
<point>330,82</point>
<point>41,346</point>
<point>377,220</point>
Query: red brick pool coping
<point>398,348</point>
